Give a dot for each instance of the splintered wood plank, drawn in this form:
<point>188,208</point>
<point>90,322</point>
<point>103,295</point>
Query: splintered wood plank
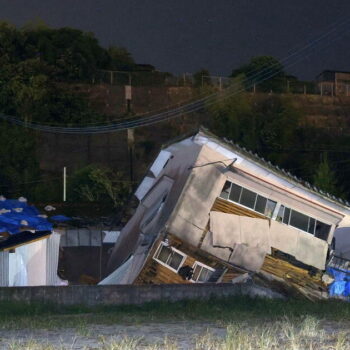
<point>224,206</point>
<point>290,273</point>
<point>229,276</point>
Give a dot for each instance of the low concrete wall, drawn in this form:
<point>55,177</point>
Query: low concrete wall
<point>126,294</point>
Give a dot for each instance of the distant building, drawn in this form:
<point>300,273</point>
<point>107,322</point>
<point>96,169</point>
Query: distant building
<point>334,83</point>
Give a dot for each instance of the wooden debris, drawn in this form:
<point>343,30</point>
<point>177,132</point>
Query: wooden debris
<point>289,277</point>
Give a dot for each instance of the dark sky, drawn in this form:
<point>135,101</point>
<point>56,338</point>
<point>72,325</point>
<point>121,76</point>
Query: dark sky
<point>185,35</point>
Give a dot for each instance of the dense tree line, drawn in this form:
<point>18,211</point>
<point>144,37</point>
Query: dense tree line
<point>272,126</point>
<point>38,69</point>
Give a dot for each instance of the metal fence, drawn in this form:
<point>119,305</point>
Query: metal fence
<point>156,78</point>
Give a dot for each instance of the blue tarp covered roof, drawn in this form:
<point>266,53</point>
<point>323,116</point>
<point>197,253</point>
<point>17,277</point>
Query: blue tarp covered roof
<point>16,215</point>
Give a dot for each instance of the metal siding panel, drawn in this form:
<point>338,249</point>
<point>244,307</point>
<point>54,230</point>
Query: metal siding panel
<point>4,269</point>
<point>52,252</point>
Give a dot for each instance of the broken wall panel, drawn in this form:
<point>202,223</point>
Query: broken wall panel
<point>230,229</point>
<point>144,187</point>
<point>207,245</point>
<point>160,162</point>
<point>255,232</point>
<point>283,238</point>
<point>311,251</point>
<point>225,229</point>
<point>250,258</point>
<point>191,216</point>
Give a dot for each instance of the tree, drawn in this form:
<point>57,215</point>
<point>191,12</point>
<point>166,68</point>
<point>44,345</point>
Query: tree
<point>120,59</point>
<point>232,117</point>
<point>265,71</point>
<point>98,184</point>
<point>325,177</point>
<point>19,168</point>
<point>201,78</point>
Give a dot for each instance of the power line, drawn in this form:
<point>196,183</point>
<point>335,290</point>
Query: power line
<point>261,76</point>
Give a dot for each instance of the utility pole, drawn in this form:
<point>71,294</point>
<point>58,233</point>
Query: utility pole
<point>130,135</point>
<point>131,145</point>
<point>64,184</point>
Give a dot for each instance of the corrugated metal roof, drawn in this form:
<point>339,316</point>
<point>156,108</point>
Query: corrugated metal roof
<point>276,169</point>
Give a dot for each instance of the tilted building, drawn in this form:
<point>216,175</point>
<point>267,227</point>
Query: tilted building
<point>210,211</point>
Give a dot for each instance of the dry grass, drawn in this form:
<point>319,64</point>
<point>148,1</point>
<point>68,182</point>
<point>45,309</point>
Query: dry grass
<point>286,334</point>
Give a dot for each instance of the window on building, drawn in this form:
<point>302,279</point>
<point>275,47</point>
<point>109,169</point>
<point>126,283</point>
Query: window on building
<point>226,190</point>
<point>322,230</point>
<point>299,220</point>
<point>303,222</point>
<point>201,272</point>
<point>248,198</point>
<point>169,257</point>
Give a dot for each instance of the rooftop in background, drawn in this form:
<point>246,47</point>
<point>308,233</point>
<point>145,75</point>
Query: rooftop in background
<point>330,75</point>
<point>334,83</point>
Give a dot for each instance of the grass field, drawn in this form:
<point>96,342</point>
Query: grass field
<point>233,323</point>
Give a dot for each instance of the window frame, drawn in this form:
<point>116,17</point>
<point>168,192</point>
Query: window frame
<point>202,266</point>
<point>256,198</point>
<point>276,210</point>
<point>291,210</point>
<point>163,244</point>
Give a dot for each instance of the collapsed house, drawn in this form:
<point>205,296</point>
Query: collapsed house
<point>210,211</point>
<point>29,249</point>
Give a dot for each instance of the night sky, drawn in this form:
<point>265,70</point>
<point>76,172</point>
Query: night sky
<point>186,35</point>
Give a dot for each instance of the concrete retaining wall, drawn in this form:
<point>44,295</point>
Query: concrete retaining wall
<point>126,294</point>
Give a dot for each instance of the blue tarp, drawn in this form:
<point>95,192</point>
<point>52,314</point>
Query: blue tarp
<point>341,284</point>
<point>16,215</point>
<point>61,218</point>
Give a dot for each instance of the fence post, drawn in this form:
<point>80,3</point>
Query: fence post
<point>220,83</point>
<point>304,89</point>
<point>111,80</point>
